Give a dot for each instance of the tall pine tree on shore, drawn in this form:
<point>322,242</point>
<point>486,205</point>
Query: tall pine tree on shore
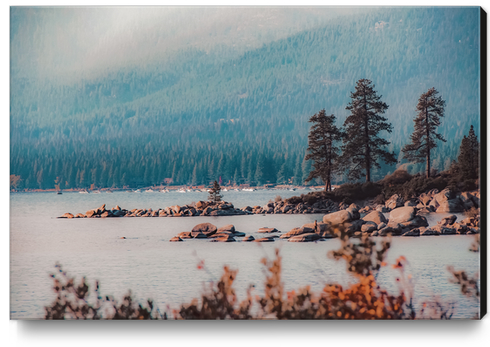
<point>321,148</point>
<point>363,148</point>
<point>430,110</point>
<point>469,159</point>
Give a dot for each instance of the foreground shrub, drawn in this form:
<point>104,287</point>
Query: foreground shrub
<point>364,299</point>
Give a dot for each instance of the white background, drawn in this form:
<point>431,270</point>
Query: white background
<point>270,333</point>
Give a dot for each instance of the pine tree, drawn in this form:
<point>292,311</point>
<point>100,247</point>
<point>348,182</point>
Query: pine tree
<point>321,147</point>
<point>430,109</point>
<point>363,148</point>
<point>214,193</point>
<point>468,159</point>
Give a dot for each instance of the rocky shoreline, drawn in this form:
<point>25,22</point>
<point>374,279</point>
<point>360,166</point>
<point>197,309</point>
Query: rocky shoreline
<point>433,201</point>
<point>406,218</point>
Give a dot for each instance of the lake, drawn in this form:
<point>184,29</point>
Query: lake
<point>152,267</point>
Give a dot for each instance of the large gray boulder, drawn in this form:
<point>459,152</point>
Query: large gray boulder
<point>339,217</point>
<point>376,217</point>
<point>402,214</point>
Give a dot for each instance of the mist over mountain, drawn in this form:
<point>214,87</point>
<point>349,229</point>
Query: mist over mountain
<point>116,97</point>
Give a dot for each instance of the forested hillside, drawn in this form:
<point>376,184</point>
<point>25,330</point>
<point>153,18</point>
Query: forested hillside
<point>244,116</point>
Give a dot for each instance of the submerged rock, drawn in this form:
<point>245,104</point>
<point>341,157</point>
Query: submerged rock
<point>268,230</point>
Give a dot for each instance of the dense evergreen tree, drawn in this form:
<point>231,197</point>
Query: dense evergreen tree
<point>214,192</point>
<point>423,139</point>
<point>363,148</point>
<point>469,158</point>
<point>321,148</point>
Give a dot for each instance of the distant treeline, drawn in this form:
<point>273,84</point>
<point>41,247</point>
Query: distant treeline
<point>195,119</point>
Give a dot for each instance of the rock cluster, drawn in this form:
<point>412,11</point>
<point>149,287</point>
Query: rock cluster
<point>201,208</point>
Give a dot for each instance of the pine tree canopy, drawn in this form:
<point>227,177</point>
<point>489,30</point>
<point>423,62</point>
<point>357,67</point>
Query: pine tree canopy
<point>469,158</point>
<point>363,148</point>
<point>423,139</point>
<point>214,192</point>
<point>321,148</point>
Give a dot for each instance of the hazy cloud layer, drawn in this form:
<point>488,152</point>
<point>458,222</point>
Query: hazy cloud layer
<point>74,41</point>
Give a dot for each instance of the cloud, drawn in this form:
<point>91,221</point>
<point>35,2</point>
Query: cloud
<point>75,41</point>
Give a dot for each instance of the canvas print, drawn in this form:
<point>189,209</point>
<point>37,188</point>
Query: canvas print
<point>246,163</point>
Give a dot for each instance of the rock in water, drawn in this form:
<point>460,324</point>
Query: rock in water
<point>66,215</point>
<point>175,239</point>
<point>268,230</point>
<point>402,214</point>
<point>207,229</point>
<point>248,238</point>
<point>229,227</point>
<point>305,238</point>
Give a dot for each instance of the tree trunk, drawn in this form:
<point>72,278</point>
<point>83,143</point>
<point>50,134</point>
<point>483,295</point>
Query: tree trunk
<point>428,141</point>
<point>366,139</point>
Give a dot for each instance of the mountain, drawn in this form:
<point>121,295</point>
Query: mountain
<point>210,109</point>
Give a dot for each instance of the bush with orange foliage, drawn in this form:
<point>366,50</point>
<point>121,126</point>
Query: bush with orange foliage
<point>364,299</point>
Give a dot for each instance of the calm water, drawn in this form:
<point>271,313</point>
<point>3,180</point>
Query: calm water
<point>152,267</point>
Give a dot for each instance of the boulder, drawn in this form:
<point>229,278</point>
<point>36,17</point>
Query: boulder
<point>106,214</point>
<point>100,209</point>
<point>229,227</point>
<point>118,213</point>
<point>80,215</point>
<point>199,235</point>
<point>90,213</point>
<point>293,232</point>
<point>402,214</point>
<point>382,209</point>
<point>117,208</point>
<point>67,215</point>
<point>248,238</point>
<point>185,235</point>
<point>224,238</point>
<point>451,206</point>
<point>394,202</point>
<point>449,220</point>
<point>442,230</point>
<point>200,205</point>
<point>309,237</point>
<point>354,212</point>
<point>268,230</point>
<point>376,217</point>
<point>369,227</point>
<point>337,218</point>
<point>265,239</point>
<point>175,239</point>
<point>429,232</point>
<point>385,231</point>
<point>354,226</point>
<point>411,202</point>
<point>467,200</point>
<point>413,232</point>
<point>207,229</point>
<point>381,226</point>
<point>417,221</point>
